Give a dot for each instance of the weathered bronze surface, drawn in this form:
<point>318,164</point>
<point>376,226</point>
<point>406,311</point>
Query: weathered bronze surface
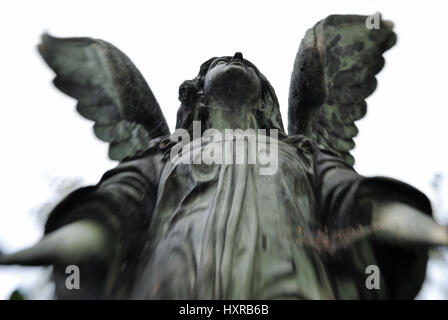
<point>156,227</point>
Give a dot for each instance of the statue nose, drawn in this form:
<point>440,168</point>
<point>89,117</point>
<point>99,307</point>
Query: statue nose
<point>238,56</point>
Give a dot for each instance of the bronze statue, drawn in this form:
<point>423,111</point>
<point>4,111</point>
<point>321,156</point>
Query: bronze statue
<point>165,225</point>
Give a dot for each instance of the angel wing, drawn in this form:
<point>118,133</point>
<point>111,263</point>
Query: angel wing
<point>334,71</point>
<point>109,89</point>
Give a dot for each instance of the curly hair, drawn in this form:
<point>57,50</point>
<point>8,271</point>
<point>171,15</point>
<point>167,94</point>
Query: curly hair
<point>193,102</point>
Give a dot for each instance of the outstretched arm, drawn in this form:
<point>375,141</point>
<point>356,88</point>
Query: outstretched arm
<point>388,209</point>
<point>373,221</point>
<point>101,228</point>
<point>74,243</point>
<point>401,223</point>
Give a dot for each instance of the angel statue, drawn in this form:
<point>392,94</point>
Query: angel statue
<point>162,225</point>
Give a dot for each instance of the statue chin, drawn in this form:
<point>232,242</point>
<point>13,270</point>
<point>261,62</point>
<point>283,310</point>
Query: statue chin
<point>232,84</point>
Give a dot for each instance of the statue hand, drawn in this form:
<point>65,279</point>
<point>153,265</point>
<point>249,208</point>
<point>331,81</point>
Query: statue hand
<point>399,222</point>
<point>75,243</point>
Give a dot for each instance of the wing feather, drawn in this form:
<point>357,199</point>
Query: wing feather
<point>109,89</point>
<point>334,72</point>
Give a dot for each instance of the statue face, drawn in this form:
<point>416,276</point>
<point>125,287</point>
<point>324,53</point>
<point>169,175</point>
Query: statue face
<point>232,81</point>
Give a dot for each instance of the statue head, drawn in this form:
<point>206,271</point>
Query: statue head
<point>233,85</point>
<point>233,82</point>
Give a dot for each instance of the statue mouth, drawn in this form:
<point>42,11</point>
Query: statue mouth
<point>236,63</point>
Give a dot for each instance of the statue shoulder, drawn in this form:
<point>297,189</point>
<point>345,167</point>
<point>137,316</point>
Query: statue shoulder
<point>155,147</point>
<point>303,144</point>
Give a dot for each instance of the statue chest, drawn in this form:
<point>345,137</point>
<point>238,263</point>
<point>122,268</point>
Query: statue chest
<point>227,231</point>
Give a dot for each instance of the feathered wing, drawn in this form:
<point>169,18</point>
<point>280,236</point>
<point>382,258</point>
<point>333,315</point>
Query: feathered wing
<point>334,71</point>
<point>109,89</point>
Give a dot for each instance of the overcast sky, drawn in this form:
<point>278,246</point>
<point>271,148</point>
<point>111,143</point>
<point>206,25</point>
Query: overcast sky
<point>42,138</point>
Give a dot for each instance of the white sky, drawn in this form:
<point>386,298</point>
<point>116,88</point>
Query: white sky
<point>41,136</point>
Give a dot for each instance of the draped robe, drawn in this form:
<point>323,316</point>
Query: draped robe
<point>224,231</point>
